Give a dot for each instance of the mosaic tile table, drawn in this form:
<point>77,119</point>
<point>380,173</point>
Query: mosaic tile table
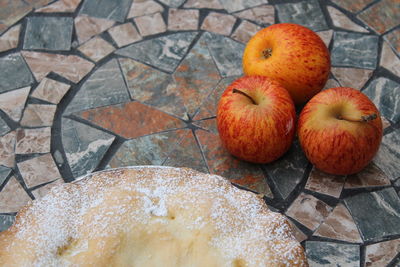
<point>95,84</point>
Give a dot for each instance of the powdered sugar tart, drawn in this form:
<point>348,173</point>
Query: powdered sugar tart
<point>149,216</point>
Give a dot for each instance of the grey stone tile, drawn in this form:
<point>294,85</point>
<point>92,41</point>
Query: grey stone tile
<point>354,50</point>
<point>377,214</point>
<point>173,3</point>
<point>105,86</point>
<point>3,127</point>
<point>6,221</point>
<point>84,146</point>
<point>385,94</point>
<point>233,6</point>
<point>48,33</point>
<point>164,52</point>
<point>14,73</point>
<point>286,173</point>
<point>332,254</point>
<point>107,9</point>
<point>306,13</point>
<point>4,172</point>
<point>388,156</point>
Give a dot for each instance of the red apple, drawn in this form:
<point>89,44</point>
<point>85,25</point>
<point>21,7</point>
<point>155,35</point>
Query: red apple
<point>340,130</point>
<point>293,55</point>
<point>256,119</point>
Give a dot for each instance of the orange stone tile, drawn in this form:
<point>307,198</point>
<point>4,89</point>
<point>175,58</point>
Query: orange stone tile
<point>382,16</point>
<point>132,119</point>
<point>86,27</point>
<point>353,6</point>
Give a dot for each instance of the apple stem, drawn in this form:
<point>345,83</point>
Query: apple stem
<point>365,118</point>
<point>243,93</point>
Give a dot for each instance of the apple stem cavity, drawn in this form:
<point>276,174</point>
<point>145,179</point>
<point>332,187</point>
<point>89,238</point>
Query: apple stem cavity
<point>365,118</point>
<point>267,53</point>
<point>237,91</point>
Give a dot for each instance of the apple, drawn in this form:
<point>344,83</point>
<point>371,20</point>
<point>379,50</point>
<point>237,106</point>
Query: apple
<point>340,130</point>
<point>293,55</point>
<point>256,119</point>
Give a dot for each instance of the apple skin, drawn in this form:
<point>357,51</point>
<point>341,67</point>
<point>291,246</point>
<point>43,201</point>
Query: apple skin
<point>298,59</point>
<point>261,132</point>
<point>334,145</point>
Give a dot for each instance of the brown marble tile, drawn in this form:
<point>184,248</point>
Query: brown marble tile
<point>324,183</point>
<point>144,7</point>
<point>13,196</point>
<point>9,40</point>
<point>345,76</point>
<point>393,38</point>
<point>33,140</point>
<point>381,254</point>
<point>150,24</point>
<point>124,34</point>
<point>39,170</point>
<point>339,225</point>
<point>340,20</point>
<point>96,48</point>
<point>218,23</point>
<point>132,119</point>
<point>42,191</point>
<point>264,14</point>
<point>353,6</point>
<point>86,27</point>
<point>50,90</point>
<point>326,36</point>
<point>389,60</point>
<point>61,6</point>
<point>12,11</point>
<point>73,68</point>
<point>36,115</point>
<point>183,19</point>
<point>369,177</point>
<point>13,102</point>
<point>309,211</point>
<point>7,149</point>
<point>382,16</point>
<point>298,234</point>
<point>331,83</point>
<point>245,31</point>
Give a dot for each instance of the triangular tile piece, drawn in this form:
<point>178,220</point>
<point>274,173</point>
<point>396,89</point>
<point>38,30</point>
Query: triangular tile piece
<point>62,6</point>
<point>370,176</point>
<point>9,40</point>
<point>131,120</point>
<point>389,60</point>
<point>339,225</point>
<point>13,102</point>
<point>4,172</point>
<point>84,146</point>
<point>324,183</point>
<point>13,197</point>
<point>340,20</point>
<point>345,76</point>
<point>381,254</point>
<point>86,27</point>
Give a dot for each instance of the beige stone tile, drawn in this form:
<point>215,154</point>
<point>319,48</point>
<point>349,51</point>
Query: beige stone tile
<point>12,11</point>
<point>144,7</point>
<point>183,19</point>
<point>86,27</point>
<point>36,115</point>
<point>218,23</point>
<point>245,31</point>
<point>9,39</point>
<point>7,149</point>
<point>150,24</point>
<point>340,20</point>
<point>369,177</point>
<point>326,36</point>
<point>298,234</point>
<point>13,102</point>
<point>50,90</point>
<point>96,48</point>
<point>44,190</point>
<point>13,197</point>
<point>264,14</point>
<point>33,140</point>
<point>61,6</point>
<point>385,122</point>
<point>124,34</point>
<point>345,76</point>
<point>331,83</point>
<point>324,183</point>
<point>381,254</point>
<point>212,4</point>
<point>389,60</point>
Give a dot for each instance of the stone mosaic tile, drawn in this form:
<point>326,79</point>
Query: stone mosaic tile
<point>39,170</point>
<point>183,19</point>
<point>331,83</point>
<point>340,20</point>
<point>132,119</point>
<point>150,24</point>
<point>218,23</point>
<point>370,176</point>
<point>48,33</point>
<point>33,140</point>
<point>326,36</point>
<point>211,4</point>
<point>393,38</point>
<point>385,94</point>
<point>73,68</point>
<point>308,210</point>
<point>345,76</point>
<point>385,123</point>
<point>144,7</point>
<point>388,156</point>
<point>4,173</point>
<point>9,40</point>
<point>381,16</point>
<point>43,190</point>
<point>298,234</point>
<point>381,254</point>
<point>96,48</point>
<point>245,31</point>
<point>339,225</point>
<point>124,34</point>
<point>106,9</point>
<point>38,3</point>
<point>163,52</point>
<point>84,146</point>
<point>226,53</point>
<point>11,12</point>
<point>307,13</point>
<point>105,86</point>
<point>6,221</point>
<point>233,6</point>
<point>147,150</point>
<point>13,196</point>
<point>324,183</point>
<point>220,162</point>
<point>332,254</point>
<point>36,115</point>
<point>354,50</point>
<point>13,102</point>
<point>264,14</point>
<point>61,6</point>
<point>353,6</point>
<point>7,146</point>
<point>87,27</point>
<point>14,73</point>
<point>172,3</point>
<point>50,90</point>
<point>389,60</point>
<point>4,128</point>
<point>287,172</point>
<point>381,218</point>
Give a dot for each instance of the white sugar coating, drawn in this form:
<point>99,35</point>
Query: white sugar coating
<point>111,203</point>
